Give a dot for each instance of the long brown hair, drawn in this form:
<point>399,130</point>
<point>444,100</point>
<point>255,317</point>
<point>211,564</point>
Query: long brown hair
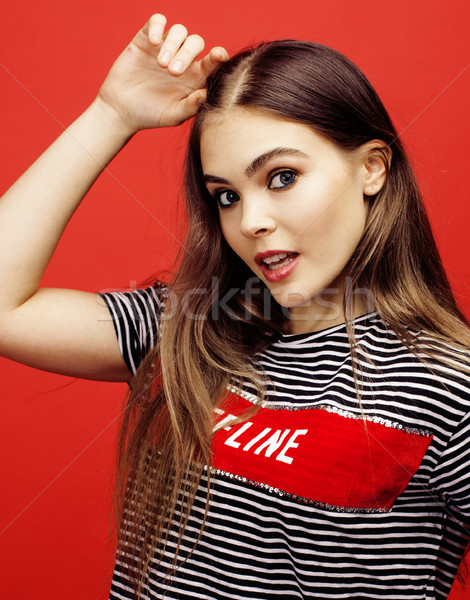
<point>211,330</point>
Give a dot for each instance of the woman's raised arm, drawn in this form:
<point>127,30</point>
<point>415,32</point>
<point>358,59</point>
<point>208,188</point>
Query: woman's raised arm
<point>155,82</point>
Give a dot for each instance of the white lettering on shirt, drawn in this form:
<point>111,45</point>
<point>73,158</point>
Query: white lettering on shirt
<point>231,440</point>
<point>226,419</point>
<point>270,445</point>
<point>273,443</point>
<point>290,444</point>
<point>256,439</point>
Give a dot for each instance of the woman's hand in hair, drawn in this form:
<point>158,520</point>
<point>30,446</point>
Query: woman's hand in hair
<point>157,81</point>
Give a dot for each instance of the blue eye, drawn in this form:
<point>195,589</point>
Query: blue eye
<point>282,179</point>
<point>226,198</point>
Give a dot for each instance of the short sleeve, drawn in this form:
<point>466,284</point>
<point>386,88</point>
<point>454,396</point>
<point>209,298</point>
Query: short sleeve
<point>136,317</point>
<point>451,477</point>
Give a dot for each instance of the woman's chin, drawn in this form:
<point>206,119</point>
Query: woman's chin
<point>292,298</point>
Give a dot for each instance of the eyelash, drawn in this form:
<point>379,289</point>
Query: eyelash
<point>218,194</point>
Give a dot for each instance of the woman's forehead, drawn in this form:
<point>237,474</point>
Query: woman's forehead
<point>224,117</point>
<point>240,135</point>
<point>248,129</point>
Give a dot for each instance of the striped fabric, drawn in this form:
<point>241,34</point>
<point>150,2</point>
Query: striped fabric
<point>314,498</point>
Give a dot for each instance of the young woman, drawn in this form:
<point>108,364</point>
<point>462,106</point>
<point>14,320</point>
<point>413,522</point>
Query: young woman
<point>298,419</point>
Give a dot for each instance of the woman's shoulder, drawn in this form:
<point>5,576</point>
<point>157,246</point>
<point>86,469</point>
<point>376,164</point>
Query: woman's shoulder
<point>414,354</point>
<point>132,301</point>
<point>136,314</point>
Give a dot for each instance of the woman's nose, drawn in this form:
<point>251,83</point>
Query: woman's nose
<point>256,219</point>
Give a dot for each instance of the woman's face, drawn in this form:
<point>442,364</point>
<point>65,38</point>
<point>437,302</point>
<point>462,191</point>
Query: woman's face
<point>291,205</point>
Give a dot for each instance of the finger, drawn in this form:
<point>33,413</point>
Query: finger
<point>216,56</point>
<point>194,100</point>
<point>155,28</point>
<point>189,51</point>
<point>188,107</point>
<point>172,42</point>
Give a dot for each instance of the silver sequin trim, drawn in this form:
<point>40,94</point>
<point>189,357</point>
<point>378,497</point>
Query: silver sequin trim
<point>333,409</point>
<point>299,499</point>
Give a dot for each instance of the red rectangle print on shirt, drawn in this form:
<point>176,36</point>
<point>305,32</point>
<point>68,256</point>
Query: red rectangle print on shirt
<point>331,458</point>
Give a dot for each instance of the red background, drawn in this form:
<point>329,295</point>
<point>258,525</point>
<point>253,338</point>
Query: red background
<point>57,434</point>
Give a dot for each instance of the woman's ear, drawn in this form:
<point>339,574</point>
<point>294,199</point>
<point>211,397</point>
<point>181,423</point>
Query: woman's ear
<point>377,158</point>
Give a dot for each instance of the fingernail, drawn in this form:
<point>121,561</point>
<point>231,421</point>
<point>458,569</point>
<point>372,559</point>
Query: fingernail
<point>165,58</point>
<point>177,66</point>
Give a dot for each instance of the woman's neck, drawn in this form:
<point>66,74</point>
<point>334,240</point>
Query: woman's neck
<point>325,311</point>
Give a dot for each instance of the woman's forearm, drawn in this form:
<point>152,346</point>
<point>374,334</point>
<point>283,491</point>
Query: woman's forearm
<point>36,209</point>
<point>141,91</point>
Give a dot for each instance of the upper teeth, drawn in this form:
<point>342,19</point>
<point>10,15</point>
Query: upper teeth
<point>274,258</point>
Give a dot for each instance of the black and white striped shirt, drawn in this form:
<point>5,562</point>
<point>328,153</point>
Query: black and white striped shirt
<point>312,497</point>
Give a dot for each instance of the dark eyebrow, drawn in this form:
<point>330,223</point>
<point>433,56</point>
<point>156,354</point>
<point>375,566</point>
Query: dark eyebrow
<point>258,163</point>
<point>214,179</point>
